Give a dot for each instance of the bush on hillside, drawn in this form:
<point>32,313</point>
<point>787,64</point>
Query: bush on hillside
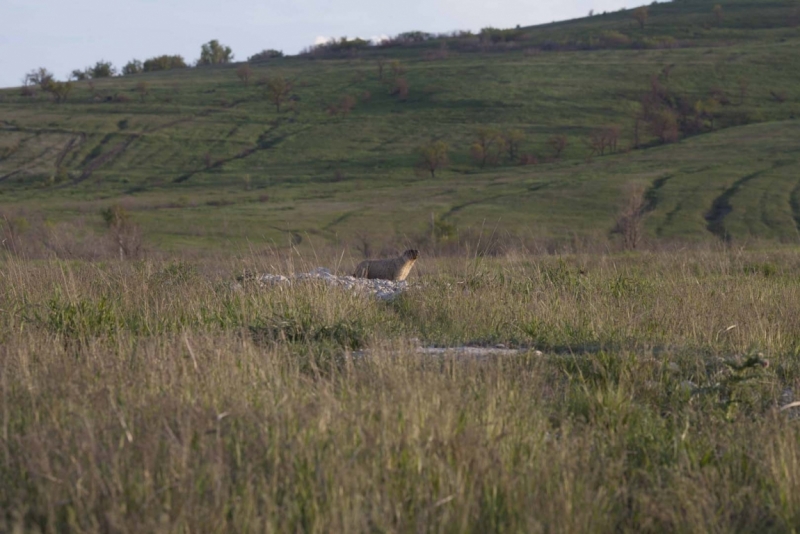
<point>265,54</point>
<point>164,62</point>
<point>244,73</point>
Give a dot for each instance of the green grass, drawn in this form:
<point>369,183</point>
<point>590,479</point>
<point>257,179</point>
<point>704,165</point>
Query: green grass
<point>303,172</point>
<point>151,396</point>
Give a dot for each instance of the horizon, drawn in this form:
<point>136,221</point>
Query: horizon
<point>55,36</point>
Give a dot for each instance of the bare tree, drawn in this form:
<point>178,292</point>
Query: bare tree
<point>602,139</point>
<point>143,89</point>
<point>744,86</point>
<point>400,89</point>
<point>631,215</point>
<point>513,139</point>
<point>124,232</point>
<point>718,15</point>
<point>558,143</point>
<point>346,105</point>
<point>244,73</point>
<point>488,147</point>
<point>640,15</point>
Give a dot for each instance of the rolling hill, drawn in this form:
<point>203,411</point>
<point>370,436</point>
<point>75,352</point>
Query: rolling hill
<point>202,159</point>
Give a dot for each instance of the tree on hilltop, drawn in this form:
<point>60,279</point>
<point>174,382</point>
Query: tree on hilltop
<point>41,77</point>
<point>133,66</point>
<point>640,15</point>
<point>214,53</point>
<point>102,69</point>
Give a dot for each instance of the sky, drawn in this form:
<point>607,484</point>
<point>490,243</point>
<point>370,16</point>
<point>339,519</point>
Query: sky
<point>66,35</point>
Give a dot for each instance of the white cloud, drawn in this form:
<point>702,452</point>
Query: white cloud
<point>321,40</point>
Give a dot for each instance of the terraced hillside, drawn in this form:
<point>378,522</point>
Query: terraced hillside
<point>201,158</point>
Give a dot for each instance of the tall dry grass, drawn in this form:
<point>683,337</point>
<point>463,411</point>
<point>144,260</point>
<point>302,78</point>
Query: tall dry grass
<point>154,397</point>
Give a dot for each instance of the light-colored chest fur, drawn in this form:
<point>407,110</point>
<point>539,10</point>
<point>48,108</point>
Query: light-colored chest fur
<point>405,268</point>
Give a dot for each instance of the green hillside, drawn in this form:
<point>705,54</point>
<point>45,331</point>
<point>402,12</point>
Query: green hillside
<point>205,160</point>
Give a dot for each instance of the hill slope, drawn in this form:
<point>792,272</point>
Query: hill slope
<point>204,159</point>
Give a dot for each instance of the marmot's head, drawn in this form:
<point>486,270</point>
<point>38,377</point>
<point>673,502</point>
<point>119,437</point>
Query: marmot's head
<point>411,254</point>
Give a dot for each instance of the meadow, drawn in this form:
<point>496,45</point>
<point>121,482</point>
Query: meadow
<point>647,396</point>
<point>644,385</point>
<point>204,160</point>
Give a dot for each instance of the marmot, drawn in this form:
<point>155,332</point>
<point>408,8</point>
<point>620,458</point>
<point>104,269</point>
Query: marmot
<point>396,269</point>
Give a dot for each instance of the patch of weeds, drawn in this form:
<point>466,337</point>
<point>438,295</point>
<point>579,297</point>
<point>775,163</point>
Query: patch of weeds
<point>567,336</point>
<point>561,275</point>
<point>175,273</point>
<point>599,369</point>
<point>626,286</point>
<point>79,321</point>
<point>301,328</point>
<point>765,269</point>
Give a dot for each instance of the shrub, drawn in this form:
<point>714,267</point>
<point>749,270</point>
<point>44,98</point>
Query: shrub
<point>244,73</point>
<point>398,69</point>
<point>558,143</point>
<point>143,89</point>
<point>264,55</point>
<point>346,105</point>
<point>59,90</point>
<point>400,89</point>
<point>164,63</point>
<point>779,96</point>
<point>433,157</point>
<point>664,125</point>
<point>614,39</point>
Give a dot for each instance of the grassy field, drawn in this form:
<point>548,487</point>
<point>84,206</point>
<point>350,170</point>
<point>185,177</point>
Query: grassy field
<point>152,397</point>
<point>205,161</point>
<point>143,390</point>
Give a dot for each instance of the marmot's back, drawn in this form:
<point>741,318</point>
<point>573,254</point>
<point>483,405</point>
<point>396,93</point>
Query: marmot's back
<point>395,269</point>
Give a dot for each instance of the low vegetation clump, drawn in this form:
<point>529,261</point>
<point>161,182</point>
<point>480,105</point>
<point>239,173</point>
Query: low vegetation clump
<point>152,396</point>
